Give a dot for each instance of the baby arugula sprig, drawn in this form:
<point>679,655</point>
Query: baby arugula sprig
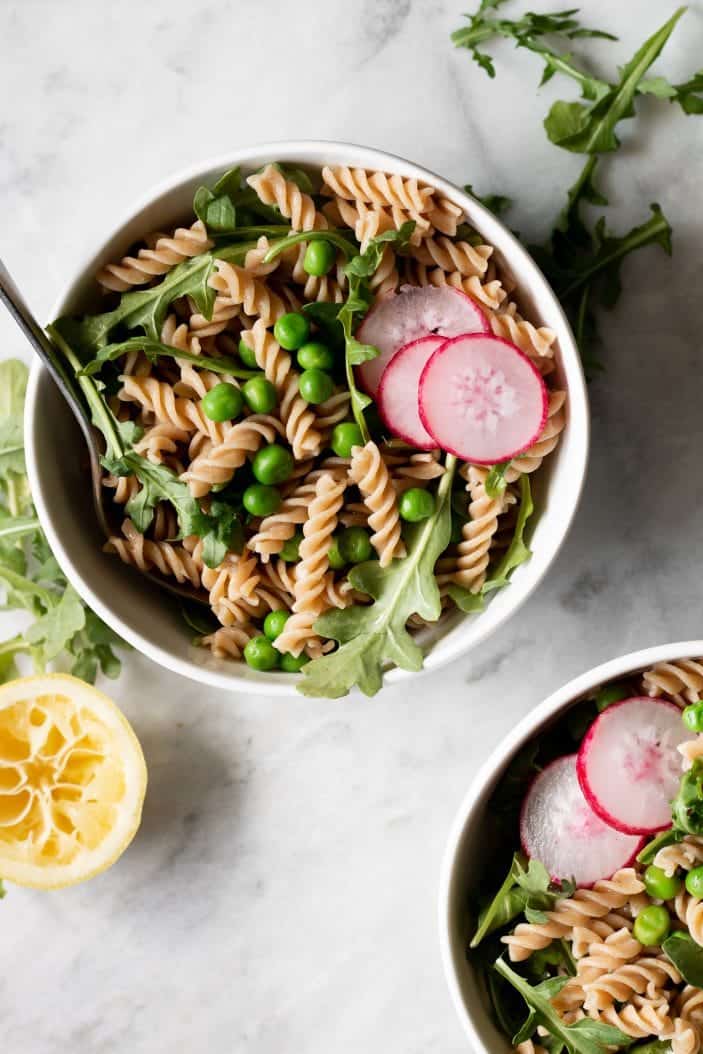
<point>583,263</point>
<point>63,628</point>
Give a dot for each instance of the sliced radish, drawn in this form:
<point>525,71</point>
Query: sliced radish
<point>482,399</point>
<point>558,827</point>
<point>397,398</point>
<point>628,765</point>
<point>415,311</point>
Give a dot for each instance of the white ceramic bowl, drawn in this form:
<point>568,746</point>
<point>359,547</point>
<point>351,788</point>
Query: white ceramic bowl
<point>465,861</point>
<point>148,619</point>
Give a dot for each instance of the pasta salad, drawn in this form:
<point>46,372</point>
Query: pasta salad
<point>594,940</point>
<point>322,407</point>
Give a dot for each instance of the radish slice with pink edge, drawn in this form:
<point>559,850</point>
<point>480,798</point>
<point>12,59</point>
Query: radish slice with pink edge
<point>558,827</point>
<point>482,399</point>
<point>628,765</point>
<point>413,312</point>
<point>397,398</point>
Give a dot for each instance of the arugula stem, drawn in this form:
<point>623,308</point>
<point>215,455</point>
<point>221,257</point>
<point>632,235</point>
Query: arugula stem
<point>12,492</point>
<point>100,412</point>
<point>19,526</point>
<point>335,237</point>
<point>14,645</point>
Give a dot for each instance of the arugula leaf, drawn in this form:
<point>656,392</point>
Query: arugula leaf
<point>147,308</point>
<point>529,891</point>
<point>13,382</point>
<point>496,481</point>
<point>153,349</point>
<point>591,129</point>
<point>686,955</point>
<point>527,32</point>
<point>583,1037</point>
<point>687,806</point>
<point>496,203</point>
<point>358,270</point>
<point>56,628</point>
<point>370,636</point>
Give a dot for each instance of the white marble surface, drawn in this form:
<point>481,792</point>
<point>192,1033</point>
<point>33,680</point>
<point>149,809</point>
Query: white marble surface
<point>281,893</point>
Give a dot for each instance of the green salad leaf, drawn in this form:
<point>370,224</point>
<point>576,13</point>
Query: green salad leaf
<point>583,1037</point>
<point>686,955</point>
<point>30,579</point>
<point>495,203</point>
<point>369,636</point>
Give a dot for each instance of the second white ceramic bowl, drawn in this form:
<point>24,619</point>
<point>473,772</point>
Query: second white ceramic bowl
<point>465,862</point>
<point>150,619</point>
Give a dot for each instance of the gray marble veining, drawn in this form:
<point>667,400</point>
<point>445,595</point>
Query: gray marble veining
<point>281,893</point>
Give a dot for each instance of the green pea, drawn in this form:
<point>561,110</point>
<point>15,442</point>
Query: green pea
<point>274,623</point>
<point>416,505</point>
<point>694,882</point>
<point>290,551</point>
<point>319,258</point>
<point>315,386</point>
<point>260,654</point>
<point>344,437</point>
<point>692,717</point>
<point>334,555</point>
<point>273,464</point>
<point>292,330</point>
<point>660,885</point>
<point>355,545</point>
<point>315,356</point>
<point>261,500</point>
<point>652,925</point>
<point>223,402</point>
<point>247,355</point>
<point>293,663</point>
<point>259,395</point>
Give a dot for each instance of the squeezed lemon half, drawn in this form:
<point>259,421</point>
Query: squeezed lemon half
<point>72,781</point>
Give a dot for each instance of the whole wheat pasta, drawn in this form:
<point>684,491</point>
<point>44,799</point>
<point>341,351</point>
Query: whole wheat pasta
<point>681,680</point>
<point>682,856</point>
<point>690,911</point>
<point>639,1018</point>
<point>368,471</point>
<point>237,286</point>
<point>147,555</point>
<point>474,549</point>
<point>537,342</point>
<point>229,642</point>
<point>310,579</point>
<point>646,975</point>
<point>605,896</point>
<point>461,257</point>
<point>219,464</point>
<point>273,188</point>
<point>155,261</point>
<point>377,188</point>
<point>490,294</point>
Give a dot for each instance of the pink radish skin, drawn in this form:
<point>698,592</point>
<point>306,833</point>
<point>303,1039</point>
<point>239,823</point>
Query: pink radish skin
<point>482,399</point>
<point>397,399</point>
<point>415,311</point>
<point>558,827</point>
<point>628,765</point>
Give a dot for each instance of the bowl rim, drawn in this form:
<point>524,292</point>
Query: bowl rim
<point>370,157</point>
<point>559,701</point>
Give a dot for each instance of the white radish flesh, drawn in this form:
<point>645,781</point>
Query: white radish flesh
<point>413,312</point>
<point>398,393</point>
<point>558,827</point>
<point>628,765</point>
<point>482,399</point>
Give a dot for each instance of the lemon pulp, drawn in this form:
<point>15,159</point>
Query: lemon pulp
<point>72,781</point>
